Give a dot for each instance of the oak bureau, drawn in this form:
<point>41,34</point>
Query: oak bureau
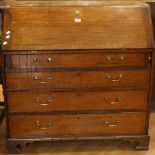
<point>77,71</point>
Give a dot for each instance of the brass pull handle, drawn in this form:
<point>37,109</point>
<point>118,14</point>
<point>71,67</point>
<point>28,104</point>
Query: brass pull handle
<point>36,60</point>
<point>36,77</point>
<point>49,59</point>
<point>115,79</point>
<point>48,102</point>
<point>116,101</point>
<point>42,82</point>
<point>149,57</point>
<point>109,58</point>
<point>122,58</point>
<point>112,123</point>
<point>49,124</point>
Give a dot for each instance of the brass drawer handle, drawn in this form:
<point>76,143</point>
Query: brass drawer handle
<point>109,58</point>
<point>36,60</point>
<point>119,99</point>
<point>49,125</point>
<point>112,123</point>
<point>36,77</point>
<point>122,58</point>
<point>49,59</point>
<point>46,103</point>
<point>149,57</point>
<point>42,82</point>
<point>115,79</point>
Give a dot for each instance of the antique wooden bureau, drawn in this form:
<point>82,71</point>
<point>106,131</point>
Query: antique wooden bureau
<point>77,72</point>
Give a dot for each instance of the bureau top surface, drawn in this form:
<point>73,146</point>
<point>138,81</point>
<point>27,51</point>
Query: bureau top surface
<point>8,3</point>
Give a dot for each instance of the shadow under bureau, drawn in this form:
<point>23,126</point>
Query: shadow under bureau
<point>77,73</point>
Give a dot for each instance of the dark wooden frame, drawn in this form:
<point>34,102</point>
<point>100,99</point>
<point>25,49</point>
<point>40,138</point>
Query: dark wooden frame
<point>152,6</point>
<point>2,111</point>
<point>139,142</point>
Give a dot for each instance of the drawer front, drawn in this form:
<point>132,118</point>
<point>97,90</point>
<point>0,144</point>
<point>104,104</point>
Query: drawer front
<point>76,124</point>
<point>78,79</point>
<point>68,101</point>
<point>77,27</point>
<point>89,60</point>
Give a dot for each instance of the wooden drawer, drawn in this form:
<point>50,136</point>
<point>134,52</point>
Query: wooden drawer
<point>77,27</point>
<point>87,58</point>
<point>68,101</point>
<point>76,124</point>
<point>78,79</point>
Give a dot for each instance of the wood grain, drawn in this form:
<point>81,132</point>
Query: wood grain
<point>55,27</point>
<point>78,100</point>
<point>76,60</point>
<point>80,124</point>
<point>50,28</point>
<point>107,147</point>
<point>78,79</point>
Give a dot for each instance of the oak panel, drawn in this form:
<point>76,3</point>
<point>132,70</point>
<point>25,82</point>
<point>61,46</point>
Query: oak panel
<point>82,27</point>
<point>78,79</point>
<point>73,101</point>
<point>76,60</point>
<point>80,124</point>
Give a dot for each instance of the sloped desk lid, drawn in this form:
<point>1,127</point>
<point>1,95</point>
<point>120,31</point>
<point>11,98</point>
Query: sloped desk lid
<point>94,27</point>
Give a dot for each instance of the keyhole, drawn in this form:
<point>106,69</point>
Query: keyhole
<point>78,93</point>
